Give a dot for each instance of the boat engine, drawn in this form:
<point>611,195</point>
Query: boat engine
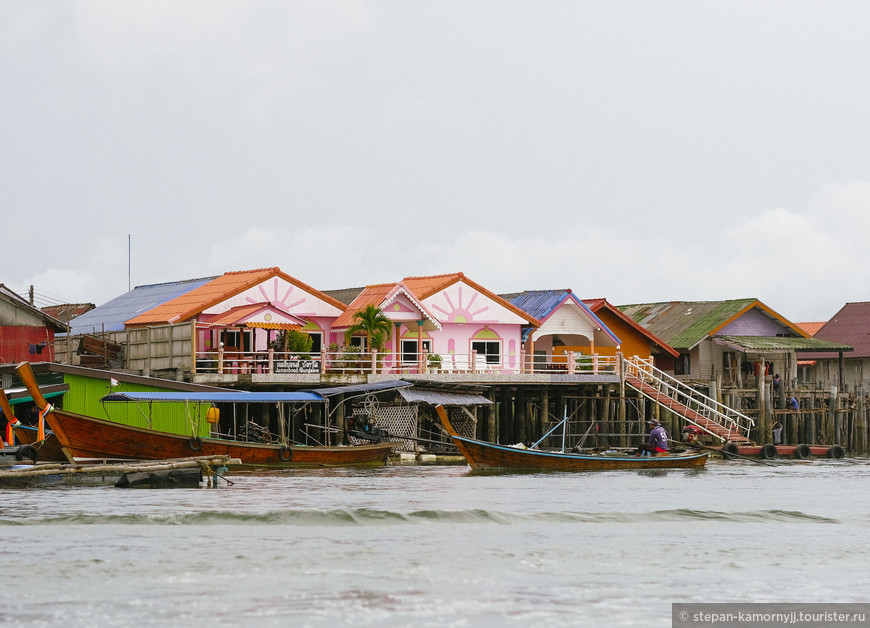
<point>363,427</point>
<point>691,433</point>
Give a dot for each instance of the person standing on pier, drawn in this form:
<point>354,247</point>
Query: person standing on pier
<point>793,403</point>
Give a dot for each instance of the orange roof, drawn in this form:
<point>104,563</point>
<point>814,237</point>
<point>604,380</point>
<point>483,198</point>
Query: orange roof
<point>241,312</point>
<point>190,304</point>
<point>425,287</point>
<point>422,288</point>
<point>811,328</point>
<point>376,295</point>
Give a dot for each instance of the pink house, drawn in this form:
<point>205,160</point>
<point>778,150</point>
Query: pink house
<point>449,316</point>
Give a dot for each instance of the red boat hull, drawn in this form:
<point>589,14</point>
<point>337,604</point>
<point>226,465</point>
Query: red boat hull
<point>90,438</point>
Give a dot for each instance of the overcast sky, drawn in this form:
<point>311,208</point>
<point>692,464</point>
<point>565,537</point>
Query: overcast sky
<point>637,151</point>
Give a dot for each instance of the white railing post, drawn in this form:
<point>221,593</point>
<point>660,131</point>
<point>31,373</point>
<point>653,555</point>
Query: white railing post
<point>570,357</point>
<point>374,361</point>
<point>322,361</point>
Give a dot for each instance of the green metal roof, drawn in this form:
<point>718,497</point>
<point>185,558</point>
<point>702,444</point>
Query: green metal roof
<point>779,344</point>
<point>683,324</point>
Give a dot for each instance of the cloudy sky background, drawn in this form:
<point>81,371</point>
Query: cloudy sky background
<point>638,151</point>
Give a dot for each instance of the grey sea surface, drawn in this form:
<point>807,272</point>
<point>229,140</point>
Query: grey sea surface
<point>437,546</point>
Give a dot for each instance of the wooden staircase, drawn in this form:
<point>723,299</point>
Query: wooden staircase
<point>713,418</point>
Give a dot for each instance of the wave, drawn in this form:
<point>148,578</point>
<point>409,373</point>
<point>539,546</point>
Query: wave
<point>373,517</point>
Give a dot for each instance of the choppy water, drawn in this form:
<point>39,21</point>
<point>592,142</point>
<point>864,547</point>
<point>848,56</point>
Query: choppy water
<point>437,546</point>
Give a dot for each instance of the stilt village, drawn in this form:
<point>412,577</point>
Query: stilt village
<point>260,356</point>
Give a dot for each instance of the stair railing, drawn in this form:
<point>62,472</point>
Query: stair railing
<point>725,417</point>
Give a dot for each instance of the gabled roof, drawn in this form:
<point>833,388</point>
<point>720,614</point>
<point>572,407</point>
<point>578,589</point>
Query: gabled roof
<point>111,315</point>
<point>851,326</point>
<point>683,324</point>
<point>22,304</point>
<point>261,312</point>
<point>425,287</point>
<point>543,303</point>
<point>381,295</point>
<point>191,304</point>
<point>596,305</point>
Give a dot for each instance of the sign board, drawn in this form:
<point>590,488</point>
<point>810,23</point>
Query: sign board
<point>297,366</point>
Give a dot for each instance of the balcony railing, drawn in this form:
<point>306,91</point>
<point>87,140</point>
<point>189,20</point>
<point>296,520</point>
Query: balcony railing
<point>364,363</point>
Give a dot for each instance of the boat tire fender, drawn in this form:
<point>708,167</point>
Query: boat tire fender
<point>730,448</point>
<point>802,452</point>
<point>195,443</point>
<point>26,451</point>
<point>836,452</point>
<point>285,453</point>
<point>769,451</point>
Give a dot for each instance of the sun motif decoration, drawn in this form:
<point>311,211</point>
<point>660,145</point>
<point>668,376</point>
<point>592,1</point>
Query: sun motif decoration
<point>280,295</point>
<point>461,312</point>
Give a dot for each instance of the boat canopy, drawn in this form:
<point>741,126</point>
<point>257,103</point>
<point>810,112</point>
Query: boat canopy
<point>218,397</point>
<point>318,395</point>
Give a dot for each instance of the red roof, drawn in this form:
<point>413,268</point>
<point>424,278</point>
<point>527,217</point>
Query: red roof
<point>849,326</point>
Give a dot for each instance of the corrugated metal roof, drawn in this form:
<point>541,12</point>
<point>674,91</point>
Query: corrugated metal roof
<point>111,315</point>
<point>22,304</point>
<point>851,326</point>
<point>67,311</point>
<point>780,344</point>
<point>683,324</point>
<point>437,397</point>
<point>345,295</point>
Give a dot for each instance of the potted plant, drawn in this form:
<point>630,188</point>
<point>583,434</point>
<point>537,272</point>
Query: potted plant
<point>434,361</point>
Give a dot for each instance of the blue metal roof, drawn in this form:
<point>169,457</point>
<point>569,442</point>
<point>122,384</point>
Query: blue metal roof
<point>542,303</point>
<point>111,315</point>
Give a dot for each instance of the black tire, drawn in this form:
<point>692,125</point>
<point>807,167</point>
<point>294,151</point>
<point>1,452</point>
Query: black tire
<point>730,448</point>
<point>836,452</point>
<point>195,443</point>
<point>26,451</point>
<point>802,452</point>
<point>769,451</point>
<point>285,453</point>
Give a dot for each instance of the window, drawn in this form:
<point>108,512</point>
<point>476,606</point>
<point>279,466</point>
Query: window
<point>235,340</point>
<point>409,350</point>
<point>360,341</point>
<point>317,341</point>
<point>683,365</point>
<point>491,349</point>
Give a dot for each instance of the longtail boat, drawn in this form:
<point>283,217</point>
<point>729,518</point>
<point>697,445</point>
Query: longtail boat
<point>89,438</point>
<point>482,455</point>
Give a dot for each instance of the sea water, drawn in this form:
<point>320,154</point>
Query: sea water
<point>437,546</point>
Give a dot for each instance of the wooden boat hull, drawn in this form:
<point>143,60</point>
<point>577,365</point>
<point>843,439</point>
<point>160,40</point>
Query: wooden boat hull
<point>86,437</point>
<point>48,451</point>
<point>482,455</point>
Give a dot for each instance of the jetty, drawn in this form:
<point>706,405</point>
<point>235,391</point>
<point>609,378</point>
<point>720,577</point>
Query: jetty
<point>171,473</point>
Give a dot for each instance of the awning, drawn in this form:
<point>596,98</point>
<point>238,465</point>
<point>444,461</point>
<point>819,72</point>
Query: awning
<point>441,398</point>
<point>779,344</point>
<point>20,395</point>
<point>361,388</point>
<point>262,325</point>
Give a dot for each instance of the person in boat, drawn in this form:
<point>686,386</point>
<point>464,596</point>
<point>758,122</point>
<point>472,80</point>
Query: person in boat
<point>657,441</point>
